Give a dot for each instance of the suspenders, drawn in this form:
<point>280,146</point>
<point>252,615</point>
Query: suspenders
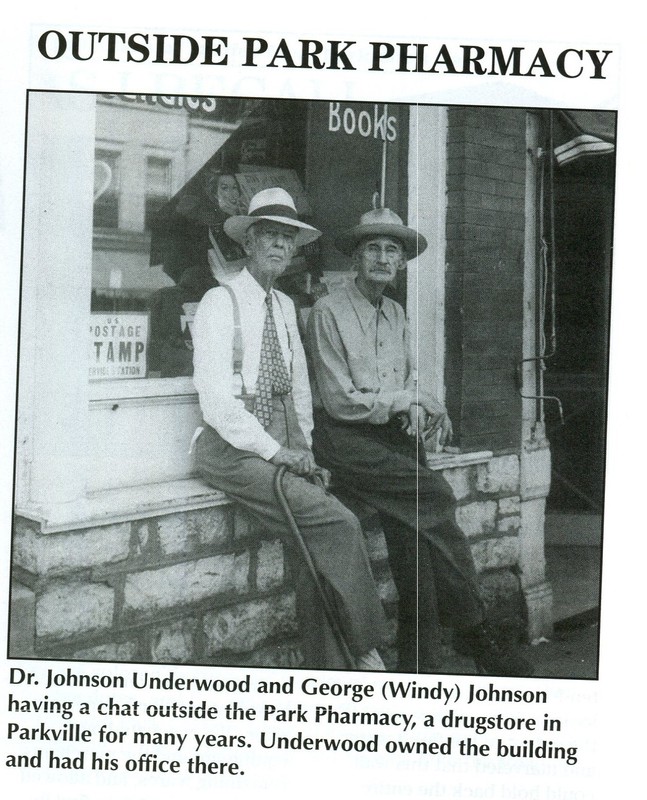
<point>237,356</point>
<point>237,345</point>
<point>237,349</point>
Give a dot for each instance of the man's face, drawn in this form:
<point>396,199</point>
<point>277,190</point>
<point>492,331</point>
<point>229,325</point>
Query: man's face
<point>270,246</point>
<point>378,258</point>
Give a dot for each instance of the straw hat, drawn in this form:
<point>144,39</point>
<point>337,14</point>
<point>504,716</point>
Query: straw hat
<point>275,205</point>
<point>382,222</point>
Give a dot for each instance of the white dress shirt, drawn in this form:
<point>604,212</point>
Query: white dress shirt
<point>213,331</point>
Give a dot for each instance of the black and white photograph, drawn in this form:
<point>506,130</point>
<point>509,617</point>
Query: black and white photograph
<point>411,481</point>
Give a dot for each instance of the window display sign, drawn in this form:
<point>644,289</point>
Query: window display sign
<point>205,106</point>
<point>118,345</point>
<point>350,119</point>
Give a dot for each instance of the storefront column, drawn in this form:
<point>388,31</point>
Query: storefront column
<point>427,212</point>
<point>534,457</point>
<point>55,308</point>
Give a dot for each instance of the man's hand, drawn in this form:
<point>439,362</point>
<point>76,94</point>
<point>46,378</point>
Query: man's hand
<point>440,422</point>
<point>417,421</point>
<point>301,462</point>
<point>427,417</point>
<point>324,476</point>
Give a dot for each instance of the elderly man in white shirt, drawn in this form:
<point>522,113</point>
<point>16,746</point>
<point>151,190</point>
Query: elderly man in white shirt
<point>251,376</point>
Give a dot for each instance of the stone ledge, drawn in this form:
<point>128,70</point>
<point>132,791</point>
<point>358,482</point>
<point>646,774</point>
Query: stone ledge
<point>125,505</point>
<point>157,499</point>
<point>440,461</point>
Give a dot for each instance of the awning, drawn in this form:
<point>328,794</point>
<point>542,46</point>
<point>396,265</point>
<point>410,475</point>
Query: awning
<point>583,133</point>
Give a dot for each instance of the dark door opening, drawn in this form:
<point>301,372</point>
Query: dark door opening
<point>577,372</point>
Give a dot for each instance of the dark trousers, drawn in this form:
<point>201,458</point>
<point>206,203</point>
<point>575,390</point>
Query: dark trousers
<point>429,555</point>
<point>332,534</point>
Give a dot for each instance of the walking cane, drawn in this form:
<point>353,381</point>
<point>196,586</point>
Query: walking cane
<point>305,553</point>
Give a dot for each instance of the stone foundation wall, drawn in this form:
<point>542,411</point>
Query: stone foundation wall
<point>206,587</point>
<point>489,513</point>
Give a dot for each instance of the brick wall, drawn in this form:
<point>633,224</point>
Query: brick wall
<point>206,587</point>
<point>484,280</point>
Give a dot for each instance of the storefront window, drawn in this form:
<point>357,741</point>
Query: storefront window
<point>168,172</point>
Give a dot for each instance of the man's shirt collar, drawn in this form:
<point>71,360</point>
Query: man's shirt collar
<point>365,310</point>
<point>250,286</point>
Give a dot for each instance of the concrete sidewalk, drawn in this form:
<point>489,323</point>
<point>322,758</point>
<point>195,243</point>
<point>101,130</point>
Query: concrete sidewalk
<point>572,652</point>
<point>573,568</point>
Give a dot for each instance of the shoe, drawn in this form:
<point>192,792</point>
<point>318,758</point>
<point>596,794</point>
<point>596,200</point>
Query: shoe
<point>370,662</point>
<point>491,655</point>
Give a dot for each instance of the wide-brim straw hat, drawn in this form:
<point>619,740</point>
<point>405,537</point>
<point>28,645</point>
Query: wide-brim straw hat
<point>382,222</point>
<point>275,205</point>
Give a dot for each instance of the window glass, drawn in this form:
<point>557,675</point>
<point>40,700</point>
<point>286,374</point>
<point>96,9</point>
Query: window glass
<point>158,187</point>
<point>106,188</point>
<point>168,173</point>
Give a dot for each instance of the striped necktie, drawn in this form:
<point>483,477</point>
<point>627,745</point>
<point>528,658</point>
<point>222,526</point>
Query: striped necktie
<point>273,377</point>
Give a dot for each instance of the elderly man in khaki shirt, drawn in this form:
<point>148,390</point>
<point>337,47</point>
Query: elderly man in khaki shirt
<point>370,422</point>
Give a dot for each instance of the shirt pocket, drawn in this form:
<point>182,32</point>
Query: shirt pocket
<point>363,369</point>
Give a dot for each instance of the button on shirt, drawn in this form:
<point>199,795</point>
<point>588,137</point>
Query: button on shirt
<point>360,356</point>
<point>213,333</point>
